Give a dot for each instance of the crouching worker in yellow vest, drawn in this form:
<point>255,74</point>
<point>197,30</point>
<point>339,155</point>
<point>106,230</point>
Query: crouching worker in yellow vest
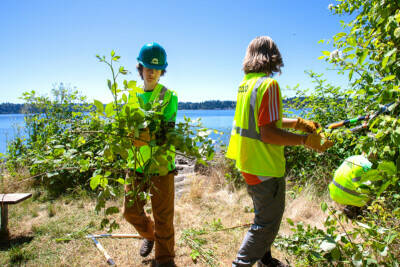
<point>256,144</point>
<point>152,65</point>
<point>346,180</point>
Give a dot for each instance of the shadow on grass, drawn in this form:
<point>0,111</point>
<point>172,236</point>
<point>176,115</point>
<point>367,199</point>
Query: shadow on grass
<point>14,242</point>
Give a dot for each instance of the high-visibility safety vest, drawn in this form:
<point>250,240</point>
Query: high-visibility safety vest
<point>159,93</point>
<point>251,154</point>
<point>346,180</point>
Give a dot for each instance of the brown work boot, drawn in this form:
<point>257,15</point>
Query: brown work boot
<point>272,263</point>
<point>352,212</point>
<point>146,247</point>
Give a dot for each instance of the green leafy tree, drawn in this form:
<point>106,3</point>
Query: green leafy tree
<point>367,51</point>
<point>325,104</point>
<point>51,149</point>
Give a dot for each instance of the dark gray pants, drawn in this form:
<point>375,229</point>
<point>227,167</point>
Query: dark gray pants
<point>269,204</point>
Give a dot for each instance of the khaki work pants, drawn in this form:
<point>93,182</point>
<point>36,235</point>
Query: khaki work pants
<point>162,202</point>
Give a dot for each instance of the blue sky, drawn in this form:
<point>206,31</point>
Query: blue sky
<point>46,42</point>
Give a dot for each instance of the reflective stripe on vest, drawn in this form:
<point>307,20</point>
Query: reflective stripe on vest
<point>162,93</point>
<point>165,96</point>
<point>264,178</point>
<point>158,94</point>
<point>251,132</point>
<point>252,155</point>
<point>347,190</point>
<point>345,186</point>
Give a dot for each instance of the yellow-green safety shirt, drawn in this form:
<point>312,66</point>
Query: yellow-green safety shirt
<point>346,180</point>
<point>169,113</point>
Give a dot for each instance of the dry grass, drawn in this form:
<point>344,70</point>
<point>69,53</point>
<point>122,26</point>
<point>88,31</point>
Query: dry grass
<point>12,183</point>
<point>36,224</point>
<point>202,207</point>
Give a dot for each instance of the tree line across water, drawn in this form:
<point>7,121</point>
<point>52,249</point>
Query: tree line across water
<point>11,108</point>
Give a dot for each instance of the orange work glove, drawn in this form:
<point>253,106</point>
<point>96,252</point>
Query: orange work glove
<point>306,125</point>
<point>142,140</point>
<point>313,141</point>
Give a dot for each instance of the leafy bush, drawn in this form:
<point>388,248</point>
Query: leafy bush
<point>52,150</point>
<point>71,143</point>
<point>368,53</point>
<point>372,241</point>
<point>325,104</point>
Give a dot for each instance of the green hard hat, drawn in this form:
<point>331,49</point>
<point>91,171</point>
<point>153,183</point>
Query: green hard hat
<point>153,56</point>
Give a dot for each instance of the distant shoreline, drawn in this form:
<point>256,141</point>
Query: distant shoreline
<point>11,108</point>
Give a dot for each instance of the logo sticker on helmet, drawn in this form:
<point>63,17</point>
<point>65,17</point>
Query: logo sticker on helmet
<point>154,61</point>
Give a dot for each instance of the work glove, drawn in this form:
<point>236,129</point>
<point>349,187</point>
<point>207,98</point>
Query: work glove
<point>142,140</point>
<point>306,125</point>
<point>314,141</point>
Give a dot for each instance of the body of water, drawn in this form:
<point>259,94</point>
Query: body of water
<point>12,125</point>
<point>220,120</point>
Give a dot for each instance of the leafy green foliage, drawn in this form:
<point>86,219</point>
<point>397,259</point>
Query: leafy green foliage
<point>369,54</point>
<point>52,150</point>
<point>325,104</point>
<point>372,241</point>
<point>125,118</point>
<point>367,51</point>
<point>71,143</point>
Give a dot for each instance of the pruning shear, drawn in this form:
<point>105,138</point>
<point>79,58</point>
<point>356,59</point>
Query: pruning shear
<point>385,109</point>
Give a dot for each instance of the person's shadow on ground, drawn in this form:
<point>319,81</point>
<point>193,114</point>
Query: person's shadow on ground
<point>15,241</point>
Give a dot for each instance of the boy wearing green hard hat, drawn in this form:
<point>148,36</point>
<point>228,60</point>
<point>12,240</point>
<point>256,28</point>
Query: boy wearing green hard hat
<point>152,64</point>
